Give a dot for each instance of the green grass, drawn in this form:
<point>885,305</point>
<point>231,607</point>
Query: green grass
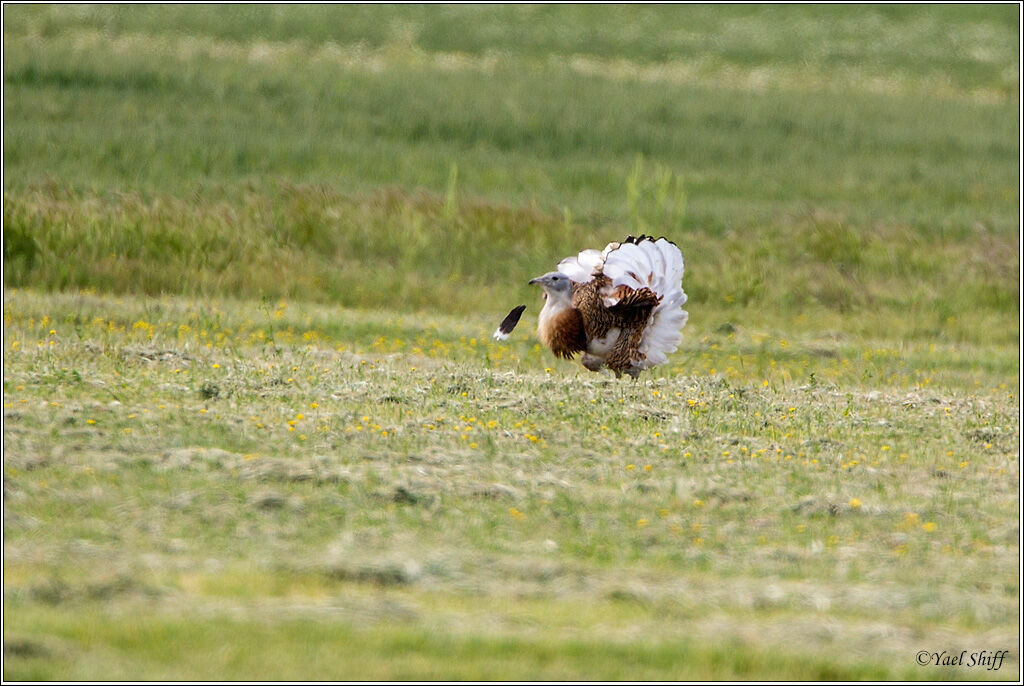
<point>325,651</point>
<point>255,426</point>
<point>128,105</point>
<point>409,252</point>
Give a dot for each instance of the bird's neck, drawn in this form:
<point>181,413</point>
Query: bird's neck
<point>556,301</point>
<point>554,305</point>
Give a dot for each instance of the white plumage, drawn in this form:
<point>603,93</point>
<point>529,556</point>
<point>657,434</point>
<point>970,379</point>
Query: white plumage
<point>654,264</point>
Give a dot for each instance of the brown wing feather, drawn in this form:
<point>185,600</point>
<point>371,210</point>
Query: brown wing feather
<point>634,298</point>
<point>634,307</point>
<point>594,315</point>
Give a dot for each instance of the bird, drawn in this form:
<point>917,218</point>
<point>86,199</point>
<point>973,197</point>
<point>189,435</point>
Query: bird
<point>620,307</point>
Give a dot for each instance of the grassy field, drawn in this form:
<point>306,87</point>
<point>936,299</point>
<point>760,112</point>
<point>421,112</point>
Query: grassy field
<point>255,427</point>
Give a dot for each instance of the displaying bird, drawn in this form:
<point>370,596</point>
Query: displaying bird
<point>620,307</point>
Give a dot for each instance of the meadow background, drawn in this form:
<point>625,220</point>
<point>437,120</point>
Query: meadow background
<point>254,425</point>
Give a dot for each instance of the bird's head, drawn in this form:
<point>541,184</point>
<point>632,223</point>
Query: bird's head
<point>554,283</point>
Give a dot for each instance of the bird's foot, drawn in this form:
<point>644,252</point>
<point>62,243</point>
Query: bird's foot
<point>633,372</point>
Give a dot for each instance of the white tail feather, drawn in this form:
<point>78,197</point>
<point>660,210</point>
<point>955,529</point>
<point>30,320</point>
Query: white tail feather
<point>629,266</point>
<point>662,336</point>
<point>582,267</point>
<point>658,265</point>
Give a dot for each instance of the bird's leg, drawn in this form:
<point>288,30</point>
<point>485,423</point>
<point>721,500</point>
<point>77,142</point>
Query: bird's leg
<point>620,358</point>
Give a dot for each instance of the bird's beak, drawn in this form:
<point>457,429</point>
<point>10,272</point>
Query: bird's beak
<point>537,280</point>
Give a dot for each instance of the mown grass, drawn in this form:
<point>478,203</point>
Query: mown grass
<point>255,427</point>
<point>166,456</point>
